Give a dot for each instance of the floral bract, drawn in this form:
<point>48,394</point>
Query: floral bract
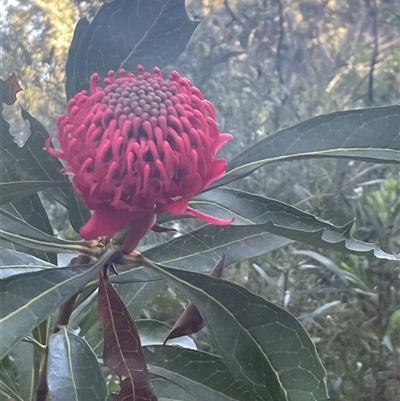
<point>139,146</point>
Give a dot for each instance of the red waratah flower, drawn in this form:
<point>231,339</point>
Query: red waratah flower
<point>139,146</point>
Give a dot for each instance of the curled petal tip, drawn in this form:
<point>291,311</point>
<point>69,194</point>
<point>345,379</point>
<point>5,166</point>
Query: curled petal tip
<point>209,219</point>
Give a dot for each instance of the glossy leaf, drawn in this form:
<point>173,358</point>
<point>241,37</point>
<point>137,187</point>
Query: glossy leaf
<point>367,134</point>
<point>27,359</point>
<point>30,210</point>
<point>8,379</point>
<point>201,249</point>
<point>135,286</point>
<point>169,391</point>
<point>125,33</point>
<point>123,353</point>
<point>18,231</point>
<point>73,372</point>
<point>79,214</point>
<point>283,219</point>
<point>264,346</point>
<point>190,321</point>
<point>27,299</point>
<point>32,161</point>
<point>13,191</point>
<point>153,332</point>
<point>13,262</point>
<point>202,374</point>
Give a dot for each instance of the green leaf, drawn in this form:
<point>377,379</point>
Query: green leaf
<point>73,372</point>
<point>167,390</point>
<point>30,210</point>
<point>27,299</point>
<point>18,231</point>
<point>283,219</point>
<point>31,161</point>
<point>153,332</point>
<point>201,249</point>
<point>273,356</point>
<point>367,134</point>
<point>9,378</point>
<point>79,214</point>
<point>14,191</point>
<point>14,262</point>
<point>129,32</point>
<point>201,374</point>
<point>27,361</point>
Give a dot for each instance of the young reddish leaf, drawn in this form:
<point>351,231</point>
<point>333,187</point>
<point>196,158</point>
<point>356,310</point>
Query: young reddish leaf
<point>9,89</point>
<point>123,353</point>
<point>190,321</point>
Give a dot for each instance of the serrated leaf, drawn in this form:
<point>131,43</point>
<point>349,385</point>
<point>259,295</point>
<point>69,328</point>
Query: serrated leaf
<point>73,372</point>
<point>371,135</point>
<point>273,356</point>
<point>201,374</point>
<point>28,299</point>
<point>125,33</point>
<point>200,249</point>
<point>283,219</point>
<point>123,353</point>
<point>14,191</point>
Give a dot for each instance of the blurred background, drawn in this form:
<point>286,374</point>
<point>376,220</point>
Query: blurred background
<point>267,65</point>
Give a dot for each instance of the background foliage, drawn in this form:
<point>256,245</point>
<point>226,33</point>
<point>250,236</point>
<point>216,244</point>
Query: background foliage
<point>267,65</point>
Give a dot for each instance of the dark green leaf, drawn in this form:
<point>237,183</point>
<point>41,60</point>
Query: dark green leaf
<point>153,332</point>
<point>27,299</point>
<point>366,134</point>
<point>32,161</point>
<point>283,219</point>
<point>71,87</point>
<point>264,346</point>
<point>201,374</point>
<point>201,249</point>
<point>13,262</point>
<point>27,361</point>
<point>167,390</point>
<point>30,210</point>
<point>73,372</point>
<point>18,231</point>
<point>125,33</point>
<point>9,378</point>
<point>79,214</point>
<point>14,191</point>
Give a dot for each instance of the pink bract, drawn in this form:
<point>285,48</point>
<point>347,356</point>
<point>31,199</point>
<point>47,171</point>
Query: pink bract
<point>137,147</point>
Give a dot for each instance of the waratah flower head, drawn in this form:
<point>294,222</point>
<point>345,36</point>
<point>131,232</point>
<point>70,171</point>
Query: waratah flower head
<point>138,146</point>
